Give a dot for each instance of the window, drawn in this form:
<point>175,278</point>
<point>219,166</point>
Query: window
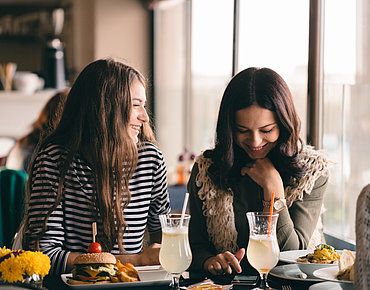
<point>211,67</point>
<point>346,110</point>
<point>194,61</point>
<point>268,38</point>
<point>169,79</point>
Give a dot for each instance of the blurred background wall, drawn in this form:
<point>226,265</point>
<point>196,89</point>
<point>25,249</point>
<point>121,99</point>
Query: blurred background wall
<point>92,29</point>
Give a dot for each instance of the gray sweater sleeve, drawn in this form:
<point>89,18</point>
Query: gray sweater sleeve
<point>296,224</point>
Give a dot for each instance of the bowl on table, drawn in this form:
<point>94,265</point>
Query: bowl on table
<point>291,257</point>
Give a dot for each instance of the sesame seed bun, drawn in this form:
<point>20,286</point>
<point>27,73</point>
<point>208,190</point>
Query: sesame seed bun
<point>95,258</point>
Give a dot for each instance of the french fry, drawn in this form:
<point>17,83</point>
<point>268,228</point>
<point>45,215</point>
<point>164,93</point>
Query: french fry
<point>127,272</point>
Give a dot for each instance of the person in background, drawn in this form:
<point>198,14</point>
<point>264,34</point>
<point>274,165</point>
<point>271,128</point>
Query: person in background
<point>257,151</point>
<point>99,165</point>
<point>362,262</point>
<point>20,155</point>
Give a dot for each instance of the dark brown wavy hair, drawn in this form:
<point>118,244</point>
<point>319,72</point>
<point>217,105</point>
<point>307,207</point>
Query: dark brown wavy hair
<point>95,124</point>
<point>267,89</point>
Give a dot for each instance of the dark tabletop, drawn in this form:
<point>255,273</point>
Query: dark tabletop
<point>275,282</point>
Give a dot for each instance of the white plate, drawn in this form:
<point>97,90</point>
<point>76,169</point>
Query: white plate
<point>326,286</point>
<point>150,276</point>
<point>329,274</point>
<point>308,268</point>
<point>292,272</point>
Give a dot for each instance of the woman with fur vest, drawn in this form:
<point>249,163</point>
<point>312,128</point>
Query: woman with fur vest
<point>257,151</point>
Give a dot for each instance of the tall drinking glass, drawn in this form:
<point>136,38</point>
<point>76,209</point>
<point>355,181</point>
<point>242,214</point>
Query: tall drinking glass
<point>175,254</point>
<point>263,250</point>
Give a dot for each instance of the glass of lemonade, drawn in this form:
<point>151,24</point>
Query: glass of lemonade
<point>263,251</point>
<point>175,254</point>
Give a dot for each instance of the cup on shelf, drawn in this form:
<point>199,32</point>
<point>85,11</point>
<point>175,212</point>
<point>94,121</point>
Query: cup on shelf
<point>28,82</point>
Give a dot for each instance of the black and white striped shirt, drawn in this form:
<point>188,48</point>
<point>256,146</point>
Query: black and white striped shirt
<point>69,226</point>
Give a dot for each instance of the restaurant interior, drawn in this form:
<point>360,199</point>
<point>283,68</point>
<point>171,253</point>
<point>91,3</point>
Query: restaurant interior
<point>189,50</point>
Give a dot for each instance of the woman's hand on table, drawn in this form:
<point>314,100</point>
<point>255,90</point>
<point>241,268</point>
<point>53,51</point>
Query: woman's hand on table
<point>224,262</point>
<point>149,256</point>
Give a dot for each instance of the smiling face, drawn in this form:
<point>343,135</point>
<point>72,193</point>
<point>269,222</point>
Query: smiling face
<point>257,131</point>
<point>138,114</point>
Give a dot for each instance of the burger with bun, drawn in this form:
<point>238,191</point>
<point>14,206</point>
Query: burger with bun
<point>93,268</point>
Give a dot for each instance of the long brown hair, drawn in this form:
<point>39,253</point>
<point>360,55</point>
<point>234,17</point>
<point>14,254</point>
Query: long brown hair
<point>267,89</point>
<point>95,124</point>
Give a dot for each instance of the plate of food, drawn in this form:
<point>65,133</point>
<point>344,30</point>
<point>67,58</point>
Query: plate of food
<point>342,273</point>
<point>308,261</point>
<point>103,271</point>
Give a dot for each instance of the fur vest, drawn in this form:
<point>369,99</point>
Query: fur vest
<point>218,204</point>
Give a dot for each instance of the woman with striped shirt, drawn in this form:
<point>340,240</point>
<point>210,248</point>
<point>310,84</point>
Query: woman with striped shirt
<point>100,165</point>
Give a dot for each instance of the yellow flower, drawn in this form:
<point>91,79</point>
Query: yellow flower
<point>4,251</point>
<point>11,270</point>
<point>36,263</point>
<point>24,264</point>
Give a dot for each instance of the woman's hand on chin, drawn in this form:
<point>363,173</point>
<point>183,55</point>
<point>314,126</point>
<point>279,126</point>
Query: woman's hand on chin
<point>264,173</point>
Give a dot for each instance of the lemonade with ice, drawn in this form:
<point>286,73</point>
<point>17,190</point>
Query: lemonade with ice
<point>263,253</point>
<point>175,255</point>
